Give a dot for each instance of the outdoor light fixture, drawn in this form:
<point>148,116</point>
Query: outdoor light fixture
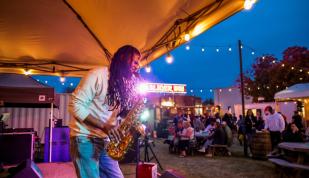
<point>217,50</point>
<point>71,84</point>
<point>27,72</point>
<point>252,52</point>
<point>45,81</point>
<point>148,69</point>
<point>248,4</point>
<point>169,58</point>
<point>187,37</point>
<point>230,49</point>
<point>62,79</point>
<point>263,57</point>
<point>203,49</point>
<point>187,47</point>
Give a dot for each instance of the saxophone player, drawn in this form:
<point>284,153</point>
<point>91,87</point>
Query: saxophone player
<point>103,96</point>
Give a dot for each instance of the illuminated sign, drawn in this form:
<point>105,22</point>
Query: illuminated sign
<point>165,88</point>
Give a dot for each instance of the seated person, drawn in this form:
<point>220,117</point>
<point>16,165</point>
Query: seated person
<point>292,134</point>
<point>186,135</point>
<point>216,136</point>
<point>228,133</point>
<point>211,126</point>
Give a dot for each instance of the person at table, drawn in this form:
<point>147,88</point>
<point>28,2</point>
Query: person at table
<point>250,121</point>
<point>178,117</point>
<point>197,124</point>
<point>292,134</point>
<point>219,137</point>
<point>275,125</point>
<point>228,133</point>
<point>297,119</point>
<point>186,135</point>
<point>260,123</point>
<point>211,126</point>
<point>178,131</point>
<point>241,129</point>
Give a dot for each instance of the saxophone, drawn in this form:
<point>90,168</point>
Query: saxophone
<point>128,127</point>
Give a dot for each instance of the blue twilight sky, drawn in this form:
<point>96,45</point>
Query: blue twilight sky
<point>268,28</point>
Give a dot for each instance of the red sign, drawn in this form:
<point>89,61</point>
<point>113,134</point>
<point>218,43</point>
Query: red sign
<point>165,88</point>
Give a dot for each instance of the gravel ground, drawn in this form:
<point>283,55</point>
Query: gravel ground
<point>199,166</point>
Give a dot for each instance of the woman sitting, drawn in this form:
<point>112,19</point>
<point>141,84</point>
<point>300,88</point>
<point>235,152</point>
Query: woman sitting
<point>292,134</point>
<point>185,136</point>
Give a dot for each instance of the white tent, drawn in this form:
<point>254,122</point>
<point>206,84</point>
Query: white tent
<point>68,37</point>
<point>294,92</point>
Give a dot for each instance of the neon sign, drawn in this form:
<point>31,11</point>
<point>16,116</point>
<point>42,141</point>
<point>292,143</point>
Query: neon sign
<point>164,88</point>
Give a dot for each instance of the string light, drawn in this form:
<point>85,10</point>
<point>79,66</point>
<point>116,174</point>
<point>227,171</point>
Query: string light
<point>300,70</point>
<point>210,90</point>
<point>252,53</point>
<point>187,47</point>
<point>148,69</point>
<point>71,84</point>
<point>248,4</point>
<point>201,91</point>
<point>191,91</point>
<point>45,81</point>
<point>263,57</point>
<point>230,49</point>
<point>27,72</point>
<point>62,83</point>
<point>169,58</point>
<point>62,79</point>
<point>217,50</point>
<point>187,37</point>
<point>230,89</point>
<point>203,49</point>
<point>282,65</point>
<point>292,68</point>
<point>274,61</point>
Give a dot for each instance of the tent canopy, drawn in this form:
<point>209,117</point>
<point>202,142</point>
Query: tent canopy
<point>67,37</point>
<point>294,92</point>
<point>22,90</point>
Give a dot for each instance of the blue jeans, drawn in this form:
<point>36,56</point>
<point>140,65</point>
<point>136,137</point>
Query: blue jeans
<point>91,160</point>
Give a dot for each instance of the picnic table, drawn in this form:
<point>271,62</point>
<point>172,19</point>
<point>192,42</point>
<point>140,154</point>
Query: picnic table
<point>300,148</point>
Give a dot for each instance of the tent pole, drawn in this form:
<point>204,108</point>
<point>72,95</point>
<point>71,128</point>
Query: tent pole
<point>51,132</point>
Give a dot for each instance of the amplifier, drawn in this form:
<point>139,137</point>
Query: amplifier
<point>16,147</point>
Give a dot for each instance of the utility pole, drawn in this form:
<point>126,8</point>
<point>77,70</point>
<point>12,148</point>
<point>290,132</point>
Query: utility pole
<point>242,93</point>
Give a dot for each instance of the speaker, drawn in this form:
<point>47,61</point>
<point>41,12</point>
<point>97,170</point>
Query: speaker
<point>16,147</point>
<point>171,174</point>
<point>26,169</point>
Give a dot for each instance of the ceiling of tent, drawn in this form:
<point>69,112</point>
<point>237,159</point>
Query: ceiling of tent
<point>71,36</point>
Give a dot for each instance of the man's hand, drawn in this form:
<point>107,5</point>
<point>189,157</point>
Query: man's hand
<point>112,131</point>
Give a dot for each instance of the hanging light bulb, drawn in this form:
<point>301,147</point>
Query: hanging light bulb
<point>300,70</point>
<point>187,37</point>
<point>230,49</point>
<point>248,4</point>
<point>27,72</point>
<point>282,65</point>
<point>263,57</point>
<point>274,61</point>
<point>191,91</point>
<point>71,84</point>
<point>201,91</point>
<point>292,68</point>
<point>241,46</point>
<point>210,90</point>
<point>169,58</point>
<point>203,49</point>
<point>217,50</point>
<point>62,79</point>
<point>187,47</point>
<point>148,69</point>
<point>252,52</point>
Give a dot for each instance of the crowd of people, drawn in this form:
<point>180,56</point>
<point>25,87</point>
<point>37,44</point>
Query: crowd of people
<point>221,130</point>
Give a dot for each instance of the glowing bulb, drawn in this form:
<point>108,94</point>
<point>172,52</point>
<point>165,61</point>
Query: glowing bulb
<point>230,89</point>
<point>292,68</point>
<point>217,50</point>
<point>45,81</point>
<point>191,91</point>
<point>248,4</point>
<point>252,52</point>
<point>241,46</point>
<point>300,70</point>
<point>187,37</point>
<point>230,49</point>
<point>263,57</point>
<point>274,61</point>
<point>203,49</point>
<point>62,83</point>
<point>38,80</point>
<point>201,91</point>
<point>71,84</point>
<point>148,69</point>
<point>169,58</point>
<point>187,47</point>
<point>220,90</point>
<point>282,65</point>
<point>142,88</point>
<point>27,72</point>
<point>62,79</point>
<point>210,90</point>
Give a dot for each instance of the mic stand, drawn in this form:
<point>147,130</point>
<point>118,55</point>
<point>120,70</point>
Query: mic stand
<point>146,153</point>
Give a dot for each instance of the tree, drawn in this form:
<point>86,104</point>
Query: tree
<point>269,75</point>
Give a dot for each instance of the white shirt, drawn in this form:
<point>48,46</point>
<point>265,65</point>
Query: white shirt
<point>275,122</point>
<point>89,98</point>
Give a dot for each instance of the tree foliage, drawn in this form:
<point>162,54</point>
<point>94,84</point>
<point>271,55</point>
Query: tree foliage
<point>269,75</point>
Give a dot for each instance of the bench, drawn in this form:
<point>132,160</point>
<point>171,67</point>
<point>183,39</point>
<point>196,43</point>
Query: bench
<point>222,149</point>
<point>283,164</point>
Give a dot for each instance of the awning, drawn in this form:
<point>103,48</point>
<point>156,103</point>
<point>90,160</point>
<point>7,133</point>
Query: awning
<point>58,37</point>
<point>294,92</point>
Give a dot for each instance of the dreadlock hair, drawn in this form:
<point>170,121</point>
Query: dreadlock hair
<point>120,82</point>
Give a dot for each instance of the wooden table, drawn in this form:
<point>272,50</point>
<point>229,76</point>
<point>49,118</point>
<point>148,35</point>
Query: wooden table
<point>300,148</point>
